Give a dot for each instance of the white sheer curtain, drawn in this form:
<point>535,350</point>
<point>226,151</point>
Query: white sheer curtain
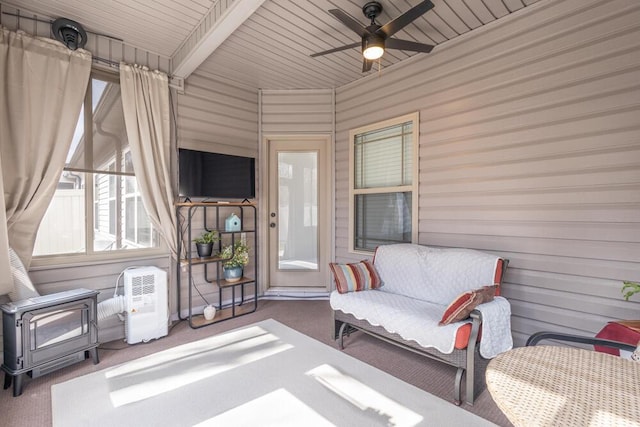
<point>42,86</point>
<point>145,103</point>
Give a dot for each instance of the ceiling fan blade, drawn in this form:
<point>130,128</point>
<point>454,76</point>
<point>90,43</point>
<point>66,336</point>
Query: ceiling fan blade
<point>347,20</point>
<point>337,49</point>
<point>366,65</point>
<point>392,27</point>
<point>407,45</point>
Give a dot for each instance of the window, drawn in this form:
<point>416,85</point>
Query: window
<point>97,206</point>
<point>383,176</point>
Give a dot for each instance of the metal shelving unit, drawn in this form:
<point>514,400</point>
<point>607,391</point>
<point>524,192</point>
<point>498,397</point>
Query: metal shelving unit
<point>213,217</point>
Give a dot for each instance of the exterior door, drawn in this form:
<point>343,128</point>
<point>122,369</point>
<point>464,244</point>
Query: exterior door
<point>298,218</point>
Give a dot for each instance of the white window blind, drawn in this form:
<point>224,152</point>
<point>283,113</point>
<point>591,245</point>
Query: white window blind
<point>383,157</point>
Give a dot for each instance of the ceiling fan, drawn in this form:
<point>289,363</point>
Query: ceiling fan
<point>377,38</point>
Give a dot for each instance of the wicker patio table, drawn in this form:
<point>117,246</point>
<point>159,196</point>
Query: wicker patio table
<point>564,386</point>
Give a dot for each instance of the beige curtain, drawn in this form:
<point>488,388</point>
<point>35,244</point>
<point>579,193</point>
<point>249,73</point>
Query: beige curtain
<point>42,86</point>
<point>145,103</point>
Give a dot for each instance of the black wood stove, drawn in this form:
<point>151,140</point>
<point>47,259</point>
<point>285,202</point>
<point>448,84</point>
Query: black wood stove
<point>46,333</point>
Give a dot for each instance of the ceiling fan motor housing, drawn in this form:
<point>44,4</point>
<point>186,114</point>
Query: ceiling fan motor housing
<point>372,10</point>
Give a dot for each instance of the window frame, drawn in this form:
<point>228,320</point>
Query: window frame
<point>413,188</point>
<point>90,256</point>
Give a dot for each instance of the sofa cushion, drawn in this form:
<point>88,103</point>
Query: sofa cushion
<point>412,319</point>
<point>355,277</point>
<point>461,307</point>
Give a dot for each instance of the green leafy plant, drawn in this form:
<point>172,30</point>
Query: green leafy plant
<point>238,257</point>
<point>207,237</point>
<point>629,289</point>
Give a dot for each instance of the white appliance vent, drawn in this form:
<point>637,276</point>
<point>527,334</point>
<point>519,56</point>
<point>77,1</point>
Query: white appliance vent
<point>145,292</point>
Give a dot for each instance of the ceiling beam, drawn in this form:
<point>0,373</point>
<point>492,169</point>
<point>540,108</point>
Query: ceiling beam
<point>219,23</point>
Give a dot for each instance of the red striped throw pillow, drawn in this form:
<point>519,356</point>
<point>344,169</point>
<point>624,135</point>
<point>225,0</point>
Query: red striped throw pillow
<point>355,277</point>
<point>464,304</point>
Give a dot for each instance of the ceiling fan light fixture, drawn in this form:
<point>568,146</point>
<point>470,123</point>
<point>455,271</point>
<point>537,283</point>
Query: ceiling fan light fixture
<point>373,52</point>
<point>372,47</point>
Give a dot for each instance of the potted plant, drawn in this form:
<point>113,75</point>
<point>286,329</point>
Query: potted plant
<point>237,257</point>
<point>204,243</point>
<point>629,289</point>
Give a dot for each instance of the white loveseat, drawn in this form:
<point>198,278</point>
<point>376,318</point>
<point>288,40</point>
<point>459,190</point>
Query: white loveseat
<point>418,284</point>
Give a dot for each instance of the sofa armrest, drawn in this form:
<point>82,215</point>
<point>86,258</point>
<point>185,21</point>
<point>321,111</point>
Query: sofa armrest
<point>499,279</point>
<point>476,317</point>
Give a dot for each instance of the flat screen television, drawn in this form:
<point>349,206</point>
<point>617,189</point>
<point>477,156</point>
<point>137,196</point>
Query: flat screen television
<point>214,175</point>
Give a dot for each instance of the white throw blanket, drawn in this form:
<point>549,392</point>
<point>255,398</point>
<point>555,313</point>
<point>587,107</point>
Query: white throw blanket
<point>436,275</point>
<point>496,327</point>
<point>417,320</point>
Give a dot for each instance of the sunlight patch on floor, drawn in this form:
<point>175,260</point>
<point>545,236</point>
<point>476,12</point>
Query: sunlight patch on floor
<point>171,369</point>
<point>278,408</point>
<point>364,397</point>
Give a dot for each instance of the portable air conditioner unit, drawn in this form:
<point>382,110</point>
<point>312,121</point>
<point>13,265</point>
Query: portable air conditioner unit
<point>145,293</point>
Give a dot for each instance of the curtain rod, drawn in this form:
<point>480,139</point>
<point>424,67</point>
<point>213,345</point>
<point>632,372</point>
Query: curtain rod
<point>109,62</point>
<point>174,82</point>
<point>83,170</point>
<point>49,21</point>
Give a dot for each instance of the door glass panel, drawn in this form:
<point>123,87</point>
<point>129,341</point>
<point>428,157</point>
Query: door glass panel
<point>297,210</point>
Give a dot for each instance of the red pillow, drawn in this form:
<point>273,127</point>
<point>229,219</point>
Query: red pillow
<point>465,303</point>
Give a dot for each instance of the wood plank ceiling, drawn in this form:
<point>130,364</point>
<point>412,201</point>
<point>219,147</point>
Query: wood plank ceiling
<point>271,49</point>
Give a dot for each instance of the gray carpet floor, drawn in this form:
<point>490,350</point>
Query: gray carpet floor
<point>312,318</point>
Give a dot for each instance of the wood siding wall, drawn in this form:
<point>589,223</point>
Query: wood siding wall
<point>529,148</point>
<point>218,115</point>
<point>299,112</point>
